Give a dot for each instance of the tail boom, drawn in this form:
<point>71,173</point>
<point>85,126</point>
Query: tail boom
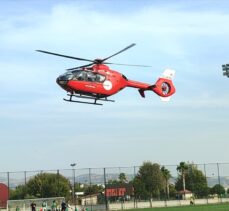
<point>163,87</point>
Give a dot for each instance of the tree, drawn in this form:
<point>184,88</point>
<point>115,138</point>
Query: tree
<point>113,182</point>
<point>195,181</point>
<point>48,185</point>
<point>140,191</point>
<point>182,169</point>
<point>122,178</point>
<point>217,189</point>
<point>149,179</point>
<point>43,185</point>
<point>166,175</point>
<point>92,189</point>
<point>79,187</point>
<point>172,191</point>
<point>18,193</point>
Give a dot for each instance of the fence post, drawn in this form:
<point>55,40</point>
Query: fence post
<point>206,178</point>
<point>135,201</point>
<point>8,183</point>
<point>25,180</point>
<point>41,173</point>
<point>25,177</point>
<point>90,187</point>
<point>58,182</point>
<point>219,179</point>
<point>105,186</point>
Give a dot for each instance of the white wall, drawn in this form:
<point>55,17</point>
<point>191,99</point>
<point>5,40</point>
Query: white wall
<point>172,203</point>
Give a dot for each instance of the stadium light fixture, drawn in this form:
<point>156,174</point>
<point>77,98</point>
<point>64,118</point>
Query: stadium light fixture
<point>225,68</point>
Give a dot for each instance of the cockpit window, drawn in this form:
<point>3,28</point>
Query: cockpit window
<point>91,76</point>
<point>88,76</point>
<point>66,76</point>
<point>100,78</point>
<point>80,76</point>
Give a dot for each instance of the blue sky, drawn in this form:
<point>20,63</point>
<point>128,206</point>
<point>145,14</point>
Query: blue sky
<point>41,131</point>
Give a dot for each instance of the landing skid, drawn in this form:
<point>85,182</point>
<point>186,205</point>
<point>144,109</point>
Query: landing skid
<point>86,97</point>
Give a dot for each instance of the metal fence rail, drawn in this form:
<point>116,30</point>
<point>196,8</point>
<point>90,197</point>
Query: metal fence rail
<point>215,173</point>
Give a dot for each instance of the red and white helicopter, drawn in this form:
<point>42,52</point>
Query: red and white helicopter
<point>96,81</point>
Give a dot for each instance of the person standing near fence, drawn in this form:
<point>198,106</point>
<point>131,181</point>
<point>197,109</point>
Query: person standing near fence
<point>63,206</point>
<point>54,205</point>
<point>44,206</point>
<point>17,208</point>
<point>33,206</point>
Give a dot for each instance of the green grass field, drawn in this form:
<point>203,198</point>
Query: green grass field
<point>215,207</point>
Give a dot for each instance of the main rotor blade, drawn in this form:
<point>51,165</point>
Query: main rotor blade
<point>75,68</point>
<point>134,65</point>
<point>130,46</point>
<point>70,57</point>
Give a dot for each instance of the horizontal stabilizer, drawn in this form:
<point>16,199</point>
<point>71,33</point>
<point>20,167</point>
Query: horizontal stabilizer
<point>165,99</point>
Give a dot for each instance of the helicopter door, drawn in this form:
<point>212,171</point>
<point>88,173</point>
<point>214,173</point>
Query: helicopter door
<point>90,81</point>
<point>95,82</point>
<point>84,81</point>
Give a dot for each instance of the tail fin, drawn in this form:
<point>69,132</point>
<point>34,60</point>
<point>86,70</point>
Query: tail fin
<point>168,74</point>
<point>164,86</point>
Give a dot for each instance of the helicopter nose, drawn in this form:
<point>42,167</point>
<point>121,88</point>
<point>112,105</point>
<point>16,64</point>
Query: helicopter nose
<point>62,80</point>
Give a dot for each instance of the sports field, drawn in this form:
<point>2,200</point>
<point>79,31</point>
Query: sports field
<point>215,207</point>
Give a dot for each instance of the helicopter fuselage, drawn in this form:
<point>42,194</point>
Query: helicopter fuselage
<point>97,81</point>
<point>100,81</point>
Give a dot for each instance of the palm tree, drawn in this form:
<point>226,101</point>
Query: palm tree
<point>122,178</point>
<point>166,174</point>
<point>182,169</point>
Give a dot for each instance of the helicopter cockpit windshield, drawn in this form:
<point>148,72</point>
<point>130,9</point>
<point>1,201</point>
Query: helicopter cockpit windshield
<point>82,75</point>
<point>63,79</point>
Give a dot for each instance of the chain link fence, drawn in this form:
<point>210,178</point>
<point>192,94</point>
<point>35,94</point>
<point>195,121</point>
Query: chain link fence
<point>215,174</point>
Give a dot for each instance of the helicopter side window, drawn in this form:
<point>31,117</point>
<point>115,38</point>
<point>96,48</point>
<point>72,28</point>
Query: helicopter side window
<point>100,78</point>
<point>91,77</point>
<point>81,76</point>
<point>68,76</point>
<point>88,76</point>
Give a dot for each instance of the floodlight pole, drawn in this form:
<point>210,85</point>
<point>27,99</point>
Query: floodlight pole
<point>73,187</point>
